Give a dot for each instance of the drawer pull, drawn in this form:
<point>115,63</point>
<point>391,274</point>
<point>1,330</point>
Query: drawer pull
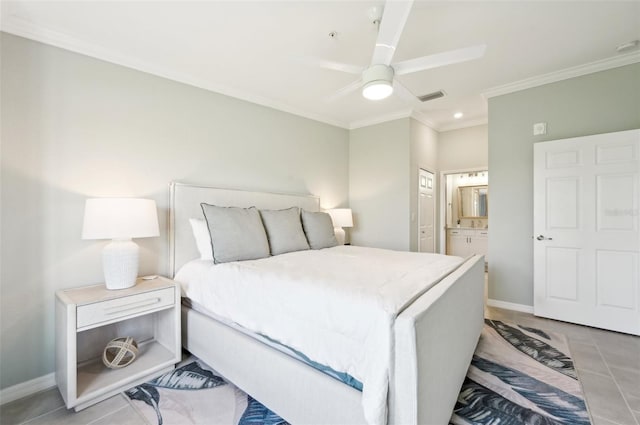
<point>131,306</point>
<point>97,313</point>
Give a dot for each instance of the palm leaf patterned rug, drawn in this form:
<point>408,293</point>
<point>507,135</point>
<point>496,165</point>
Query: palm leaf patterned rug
<point>518,375</point>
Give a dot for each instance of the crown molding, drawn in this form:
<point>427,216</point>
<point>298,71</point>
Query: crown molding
<point>464,124</point>
<point>564,74</point>
<point>14,25</point>
<point>421,117</point>
<point>23,28</point>
<point>406,113</point>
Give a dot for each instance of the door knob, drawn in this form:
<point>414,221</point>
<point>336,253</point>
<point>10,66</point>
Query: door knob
<point>542,238</point>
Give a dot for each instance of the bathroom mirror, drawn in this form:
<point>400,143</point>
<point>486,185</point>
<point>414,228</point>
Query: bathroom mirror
<point>473,201</point>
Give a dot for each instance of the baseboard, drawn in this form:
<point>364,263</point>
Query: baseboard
<point>27,388</point>
<point>510,306</point>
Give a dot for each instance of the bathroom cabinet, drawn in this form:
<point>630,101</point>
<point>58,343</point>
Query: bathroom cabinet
<point>467,241</point>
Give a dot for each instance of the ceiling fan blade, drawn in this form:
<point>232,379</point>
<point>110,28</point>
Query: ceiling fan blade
<point>344,91</point>
<point>439,59</point>
<point>404,94</point>
<point>394,16</point>
<point>335,66</point>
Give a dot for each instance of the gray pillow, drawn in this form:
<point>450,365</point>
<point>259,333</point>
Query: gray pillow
<point>236,233</point>
<point>284,230</point>
<point>319,229</point>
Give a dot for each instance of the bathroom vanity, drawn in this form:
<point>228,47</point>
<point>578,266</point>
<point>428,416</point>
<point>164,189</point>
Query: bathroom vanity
<point>471,234</point>
<point>465,241</point>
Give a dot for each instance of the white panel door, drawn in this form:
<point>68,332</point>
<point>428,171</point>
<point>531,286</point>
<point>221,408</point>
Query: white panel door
<point>426,212</point>
<point>586,230</point>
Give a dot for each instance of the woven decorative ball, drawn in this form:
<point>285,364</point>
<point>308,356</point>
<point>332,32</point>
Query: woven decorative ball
<point>120,352</point>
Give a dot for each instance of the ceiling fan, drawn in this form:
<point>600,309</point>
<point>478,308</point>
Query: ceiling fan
<point>377,80</point>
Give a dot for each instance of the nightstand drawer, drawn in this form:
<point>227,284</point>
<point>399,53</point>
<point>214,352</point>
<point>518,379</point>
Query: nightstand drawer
<point>91,314</point>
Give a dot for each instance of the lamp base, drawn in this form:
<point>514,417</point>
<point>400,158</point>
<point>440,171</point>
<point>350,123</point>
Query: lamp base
<point>340,235</point>
<point>120,264</point>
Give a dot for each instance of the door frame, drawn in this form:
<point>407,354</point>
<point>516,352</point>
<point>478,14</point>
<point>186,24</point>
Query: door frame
<point>443,202</point>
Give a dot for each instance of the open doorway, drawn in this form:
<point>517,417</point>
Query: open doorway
<point>465,209</point>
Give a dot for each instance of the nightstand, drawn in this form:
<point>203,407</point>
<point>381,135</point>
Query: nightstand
<point>87,318</point>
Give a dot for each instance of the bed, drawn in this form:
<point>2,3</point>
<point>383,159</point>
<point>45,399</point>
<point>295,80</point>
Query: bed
<point>432,338</point>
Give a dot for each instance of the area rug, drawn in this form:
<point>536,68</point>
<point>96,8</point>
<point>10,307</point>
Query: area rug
<point>193,393</point>
<point>518,375</point>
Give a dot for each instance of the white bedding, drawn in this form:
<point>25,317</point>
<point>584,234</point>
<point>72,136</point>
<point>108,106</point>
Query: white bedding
<point>335,305</point>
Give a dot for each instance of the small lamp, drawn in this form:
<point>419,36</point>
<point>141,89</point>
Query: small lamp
<point>120,219</point>
<point>341,217</point>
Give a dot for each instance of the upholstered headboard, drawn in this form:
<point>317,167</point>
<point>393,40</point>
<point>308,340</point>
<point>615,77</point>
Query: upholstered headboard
<point>184,203</point>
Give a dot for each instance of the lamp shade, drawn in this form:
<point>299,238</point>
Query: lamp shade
<point>120,218</point>
<point>341,217</point>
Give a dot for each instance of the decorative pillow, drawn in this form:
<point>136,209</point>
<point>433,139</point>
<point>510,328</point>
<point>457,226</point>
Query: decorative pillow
<point>284,230</point>
<point>318,228</point>
<point>236,233</point>
<point>201,235</point>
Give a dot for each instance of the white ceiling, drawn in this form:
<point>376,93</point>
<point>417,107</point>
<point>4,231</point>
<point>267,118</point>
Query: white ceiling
<point>259,50</point>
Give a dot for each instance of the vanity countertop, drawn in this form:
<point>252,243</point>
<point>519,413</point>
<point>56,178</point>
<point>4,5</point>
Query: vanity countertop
<point>467,228</point>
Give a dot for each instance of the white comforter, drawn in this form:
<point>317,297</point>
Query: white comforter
<point>335,305</point>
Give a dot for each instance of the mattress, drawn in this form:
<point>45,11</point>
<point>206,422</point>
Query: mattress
<point>335,305</point>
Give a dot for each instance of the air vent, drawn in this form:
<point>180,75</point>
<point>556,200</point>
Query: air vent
<point>431,96</point>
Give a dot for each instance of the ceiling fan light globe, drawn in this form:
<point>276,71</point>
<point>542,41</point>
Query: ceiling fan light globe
<point>377,82</point>
<point>377,90</point>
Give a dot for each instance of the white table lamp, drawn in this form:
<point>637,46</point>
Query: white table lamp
<point>341,217</point>
<point>120,219</point>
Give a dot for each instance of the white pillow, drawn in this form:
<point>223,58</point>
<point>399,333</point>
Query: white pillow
<point>202,237</point>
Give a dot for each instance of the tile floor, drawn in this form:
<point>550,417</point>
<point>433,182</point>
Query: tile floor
<point>608,365</point>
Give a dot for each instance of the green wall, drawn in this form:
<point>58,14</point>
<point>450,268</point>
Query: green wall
<point>602,102</point>
<point>424,154</point>
<point>379,184</point>
<point>384,160</point>
<point>75,127</point>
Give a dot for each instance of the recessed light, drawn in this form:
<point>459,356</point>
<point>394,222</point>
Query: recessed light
<point>458,115</point>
